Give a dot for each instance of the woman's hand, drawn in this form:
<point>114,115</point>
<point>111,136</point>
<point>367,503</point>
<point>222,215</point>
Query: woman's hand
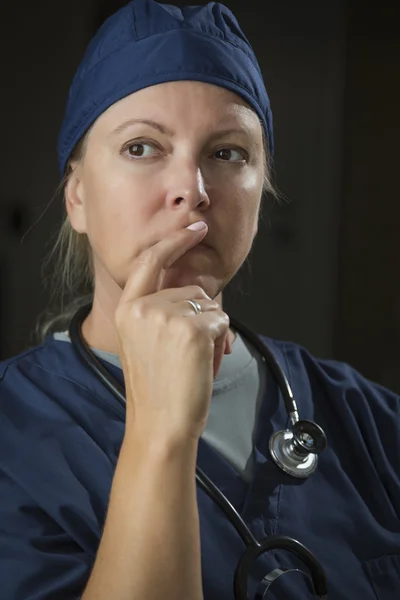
<point>170,356</point>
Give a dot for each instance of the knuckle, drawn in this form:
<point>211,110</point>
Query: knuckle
<point>147,258</point>
<point>159,317</point>
<point>226,318</point>
<point>129,312</point>
<point>138,309</point>
<point>198,292</point>
<point>187,328</point>
<point>213,304</point>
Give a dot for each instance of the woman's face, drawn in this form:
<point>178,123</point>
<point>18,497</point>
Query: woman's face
<point>159,160</point>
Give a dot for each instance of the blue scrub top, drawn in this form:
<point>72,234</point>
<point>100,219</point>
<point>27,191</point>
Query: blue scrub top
<point>60,435</point>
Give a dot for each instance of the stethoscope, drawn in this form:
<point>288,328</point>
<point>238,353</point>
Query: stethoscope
<point>294,450</point>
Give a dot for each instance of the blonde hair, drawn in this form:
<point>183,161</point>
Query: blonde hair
<point>72,278</point>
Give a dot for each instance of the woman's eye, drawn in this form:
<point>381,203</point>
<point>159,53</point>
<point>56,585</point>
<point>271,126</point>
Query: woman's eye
<point>230,154</point>
<point>138,150</point>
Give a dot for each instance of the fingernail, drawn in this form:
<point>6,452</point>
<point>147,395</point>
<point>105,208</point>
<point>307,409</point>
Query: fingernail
<point>197,226</point>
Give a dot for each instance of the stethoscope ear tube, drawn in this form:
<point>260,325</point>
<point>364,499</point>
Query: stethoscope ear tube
<point>278,542</point>
<point>269,357</point>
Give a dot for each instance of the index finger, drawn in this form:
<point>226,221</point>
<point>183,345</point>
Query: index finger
<point>148,268</point>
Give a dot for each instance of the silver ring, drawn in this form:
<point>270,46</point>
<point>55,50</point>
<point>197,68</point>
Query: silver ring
<point>196,306</point>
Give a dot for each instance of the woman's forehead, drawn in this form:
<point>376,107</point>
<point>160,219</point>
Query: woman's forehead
<point>181,102</point>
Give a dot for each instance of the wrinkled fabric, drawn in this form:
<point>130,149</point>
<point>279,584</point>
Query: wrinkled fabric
<point>146,43</point>
<point>60,437</point>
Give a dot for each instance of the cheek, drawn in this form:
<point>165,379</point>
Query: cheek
<point>116,214</point>
<point>244,205</point>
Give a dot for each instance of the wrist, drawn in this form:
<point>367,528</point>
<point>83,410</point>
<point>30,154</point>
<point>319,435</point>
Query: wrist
<point>144,437</point>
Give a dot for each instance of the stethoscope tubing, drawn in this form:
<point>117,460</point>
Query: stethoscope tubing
<point>254,548</point>
<point>273,363</point>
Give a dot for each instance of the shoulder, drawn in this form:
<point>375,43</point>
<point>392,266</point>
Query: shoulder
<point>47,355</point>
<point>12,363</point>
<point>333,379</point>
<point>42,386</point>
<point>32,380</point>
<point>361,418</point>
<point>23,378</point>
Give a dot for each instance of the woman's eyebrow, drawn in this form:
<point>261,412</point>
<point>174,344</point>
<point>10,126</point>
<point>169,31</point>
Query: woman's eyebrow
<point>166,131</point>
<point>161,128</point>
<point>245,131</point>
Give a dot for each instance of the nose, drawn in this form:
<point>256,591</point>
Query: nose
<point>187,189</point>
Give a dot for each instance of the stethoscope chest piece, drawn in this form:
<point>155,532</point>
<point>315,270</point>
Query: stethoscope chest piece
<point>296,451</point>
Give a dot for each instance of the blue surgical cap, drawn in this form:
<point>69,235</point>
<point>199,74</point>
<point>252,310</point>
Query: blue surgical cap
<point>146,43</point>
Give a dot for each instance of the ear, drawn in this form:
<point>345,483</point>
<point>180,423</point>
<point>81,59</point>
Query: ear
<point>75,201</point>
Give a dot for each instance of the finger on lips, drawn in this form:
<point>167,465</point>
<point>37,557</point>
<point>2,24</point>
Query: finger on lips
<point>145,276</point>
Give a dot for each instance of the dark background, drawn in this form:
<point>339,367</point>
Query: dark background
<point>324,271</point>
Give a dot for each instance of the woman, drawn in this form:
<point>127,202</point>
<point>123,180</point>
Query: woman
<point>165,151</point>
